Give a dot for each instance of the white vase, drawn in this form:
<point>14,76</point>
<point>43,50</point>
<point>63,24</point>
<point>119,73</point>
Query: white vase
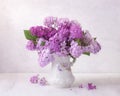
<point>61,74</point>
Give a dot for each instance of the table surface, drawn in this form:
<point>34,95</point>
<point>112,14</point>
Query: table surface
<point>17,84</point>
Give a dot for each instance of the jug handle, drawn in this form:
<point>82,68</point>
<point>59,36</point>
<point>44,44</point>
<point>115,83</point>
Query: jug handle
<point>73,61</point>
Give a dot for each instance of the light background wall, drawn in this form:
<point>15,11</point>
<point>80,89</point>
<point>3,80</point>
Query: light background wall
<point>100,17</point>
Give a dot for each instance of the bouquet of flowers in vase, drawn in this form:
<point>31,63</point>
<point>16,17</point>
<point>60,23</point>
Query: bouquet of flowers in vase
<point>62,37</point>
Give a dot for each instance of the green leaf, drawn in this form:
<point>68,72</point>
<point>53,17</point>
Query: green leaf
<point>29,36</point>
<point>35,42</point>
<point>87,53</point>
<point>95,38</point>
<point>42,43</point>
<point>78,41</point>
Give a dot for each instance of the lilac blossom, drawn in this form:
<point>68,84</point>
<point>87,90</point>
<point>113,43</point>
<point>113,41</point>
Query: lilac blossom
<point>63,22</point>
<point>75,49</point>
<point>91,86</point>
<point>87,38</point>
<point>43,81</point>
<point>95,47</point>
<point>54,43</point>
<point>30,45</point>
<point>41,44</point>
<point>63,50</point>
<point>75,30</point>
<point>91,45</point>
<point>37,31</point>
<point>34,79</point>
<point>50,21</point>
<point>62,37</point>
<point>63,34</point>
<point>51,32</point>
<point>45,57</point>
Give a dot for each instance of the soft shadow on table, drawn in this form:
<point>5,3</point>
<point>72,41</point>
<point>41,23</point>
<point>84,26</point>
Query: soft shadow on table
<point>99,80</point>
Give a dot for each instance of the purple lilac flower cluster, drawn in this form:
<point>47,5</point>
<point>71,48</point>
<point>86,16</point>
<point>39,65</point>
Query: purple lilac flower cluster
<point>60,36</point>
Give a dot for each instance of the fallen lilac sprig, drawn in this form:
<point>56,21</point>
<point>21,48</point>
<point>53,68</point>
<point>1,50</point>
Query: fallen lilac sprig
<point>36,80</point>
<point>90,86</point>
<point>43,81</point>
<point>80,86</point>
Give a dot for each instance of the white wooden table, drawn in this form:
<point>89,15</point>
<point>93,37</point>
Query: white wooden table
<point>17,84</point>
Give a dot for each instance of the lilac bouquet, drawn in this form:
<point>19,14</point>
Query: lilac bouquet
<point>62,37</point>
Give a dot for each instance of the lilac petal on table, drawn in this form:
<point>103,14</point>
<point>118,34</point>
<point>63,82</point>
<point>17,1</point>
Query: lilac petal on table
<point>91,86</point>
<point>81,86</point>
<point>34,79</point>
<point>43,81</point>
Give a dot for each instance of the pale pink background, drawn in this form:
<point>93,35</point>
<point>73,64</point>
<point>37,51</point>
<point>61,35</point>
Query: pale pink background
<point>100,17</point>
